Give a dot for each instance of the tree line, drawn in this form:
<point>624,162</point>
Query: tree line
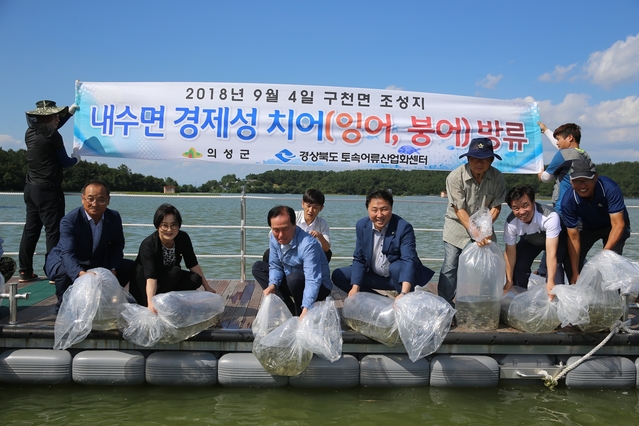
<point>13,168</point>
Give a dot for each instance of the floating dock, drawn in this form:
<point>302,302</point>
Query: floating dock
<point>221,355</point>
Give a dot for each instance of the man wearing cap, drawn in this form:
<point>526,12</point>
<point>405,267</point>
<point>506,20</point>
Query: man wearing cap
<point>43,196</point>
<point>466,187</point>
<point>598,203</point>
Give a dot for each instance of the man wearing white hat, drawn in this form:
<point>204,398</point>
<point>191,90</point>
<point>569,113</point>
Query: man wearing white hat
<point>43,196</point>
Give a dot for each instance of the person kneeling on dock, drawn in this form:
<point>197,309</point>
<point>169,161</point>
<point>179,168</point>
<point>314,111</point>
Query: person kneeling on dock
<point>309,221</point>
<point>385,257</point>
<point>597,203</point>
<point>297,267</point>
<point>540,229</point>
<point>157,267</point>
<point>91,236</point>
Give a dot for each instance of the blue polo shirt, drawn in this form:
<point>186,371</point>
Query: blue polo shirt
<point>594,214</point>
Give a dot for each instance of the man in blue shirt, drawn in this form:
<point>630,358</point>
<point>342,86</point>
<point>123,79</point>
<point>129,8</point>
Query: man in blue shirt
<point>598,203</point>
<point>297,267</point>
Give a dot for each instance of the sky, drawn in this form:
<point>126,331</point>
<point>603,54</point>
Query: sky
<point>578,59</point>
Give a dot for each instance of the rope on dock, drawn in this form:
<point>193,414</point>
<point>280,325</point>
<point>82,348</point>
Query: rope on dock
<point>552,381</point>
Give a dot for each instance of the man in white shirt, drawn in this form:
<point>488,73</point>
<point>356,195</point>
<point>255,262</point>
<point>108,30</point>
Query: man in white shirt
<point>540,229</point>
<point>309,221</point>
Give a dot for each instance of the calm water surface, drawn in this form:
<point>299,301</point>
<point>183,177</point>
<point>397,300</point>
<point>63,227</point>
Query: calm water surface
<point>148,405</point>
<point>425,213</point>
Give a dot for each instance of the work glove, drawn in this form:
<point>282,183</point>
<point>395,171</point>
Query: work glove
<point>76,153</point>
<point>73,108</point>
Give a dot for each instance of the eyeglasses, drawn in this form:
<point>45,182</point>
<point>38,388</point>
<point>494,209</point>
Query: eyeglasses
<point>98,201</point>
<point>167,226</point>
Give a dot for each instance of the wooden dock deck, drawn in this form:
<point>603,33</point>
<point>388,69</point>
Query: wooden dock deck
<point>35,329</point>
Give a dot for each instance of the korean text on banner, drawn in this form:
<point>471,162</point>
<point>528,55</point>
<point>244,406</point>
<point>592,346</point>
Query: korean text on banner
<point>297,125</point>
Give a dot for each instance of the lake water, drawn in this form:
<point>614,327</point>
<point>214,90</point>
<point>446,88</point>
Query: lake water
<point>426,214</point>
<point>152,405</point>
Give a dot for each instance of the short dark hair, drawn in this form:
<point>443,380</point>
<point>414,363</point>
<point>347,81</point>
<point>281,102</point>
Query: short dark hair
<point>568,129</point>
<point>519,191</point>
<point>163,211</point>
<point>313,196</point>
<point>279,211</point>
<point>380,193</point>
<point>96,182</point>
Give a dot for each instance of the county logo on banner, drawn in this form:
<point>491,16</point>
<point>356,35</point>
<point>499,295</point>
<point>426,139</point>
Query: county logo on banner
<point>298,125</point>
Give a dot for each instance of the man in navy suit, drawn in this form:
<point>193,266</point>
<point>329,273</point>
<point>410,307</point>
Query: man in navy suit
<point>385,257</point>
<point>91,236</point>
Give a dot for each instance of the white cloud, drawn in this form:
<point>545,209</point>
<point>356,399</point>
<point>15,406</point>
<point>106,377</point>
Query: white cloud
<point>616,114</point>
<point>393,87</point>
<point>617,65</point>
<point>490,81</point>
<point>559,74</point>
<point>8,142</point>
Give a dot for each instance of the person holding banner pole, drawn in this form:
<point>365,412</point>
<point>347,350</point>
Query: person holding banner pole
<point>43,196</point>
<point>466,187</point>
<point>548,133</point>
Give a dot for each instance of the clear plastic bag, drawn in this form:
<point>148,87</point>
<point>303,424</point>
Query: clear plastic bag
<point>532,311</point>
<point>506,300</point>
<point>423,321</point>
<point>281,352</point>
<point>77,311</point>
<point>605,307</point>
<point>188,307</point>
<point>373,316</point>
<point>480,284</point>
<point>275,342</point>
<point>320,330</point>
<point>617,272</point>
<point>535,280</point>
<point>480,224</point>
<point>112,298</point>
<point>572,304</point>
<point>181,314</point>
<point>140,326</point>
<point>272,313</point>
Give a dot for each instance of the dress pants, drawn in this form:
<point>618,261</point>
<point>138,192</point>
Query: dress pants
<point>290,290</point>
<point>45,207</point>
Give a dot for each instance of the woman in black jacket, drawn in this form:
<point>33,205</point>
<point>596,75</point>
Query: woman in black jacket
<point>158,262</point>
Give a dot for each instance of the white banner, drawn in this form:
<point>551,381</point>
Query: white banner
<point>299,125</point>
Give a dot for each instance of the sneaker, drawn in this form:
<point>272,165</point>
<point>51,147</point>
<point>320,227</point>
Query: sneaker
<point>26,278</point>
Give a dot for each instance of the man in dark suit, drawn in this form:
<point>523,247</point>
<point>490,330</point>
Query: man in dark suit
<point>385,257</point>
<point>91,236</point>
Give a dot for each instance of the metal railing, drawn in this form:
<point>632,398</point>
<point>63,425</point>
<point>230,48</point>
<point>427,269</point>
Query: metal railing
<point>243,227</point>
